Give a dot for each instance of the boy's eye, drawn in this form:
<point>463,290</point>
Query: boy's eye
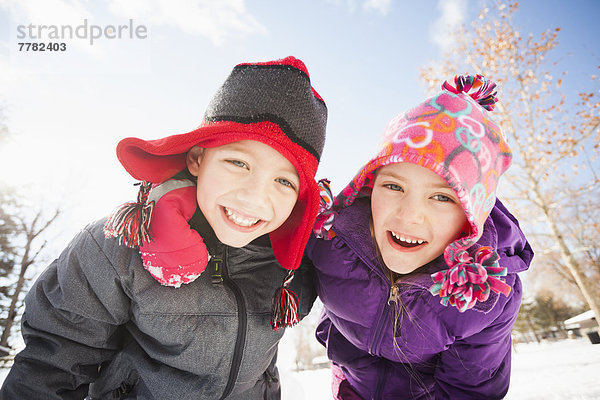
<point>238,163</point>
<point>393,186</point>
<point>441,197</point>
<point>285,182</point>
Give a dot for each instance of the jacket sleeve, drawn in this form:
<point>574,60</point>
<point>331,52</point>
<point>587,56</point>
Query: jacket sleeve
<point>70,325</point>
<point>478,366</point>
<point>464,371</point>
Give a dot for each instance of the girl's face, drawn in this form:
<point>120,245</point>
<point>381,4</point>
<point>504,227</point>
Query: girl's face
<point>246,189</point>
<point>415,216</point>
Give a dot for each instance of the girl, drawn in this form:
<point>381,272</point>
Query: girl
<point>417,261</point>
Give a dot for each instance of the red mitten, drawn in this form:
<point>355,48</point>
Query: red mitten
<point>177,254</point>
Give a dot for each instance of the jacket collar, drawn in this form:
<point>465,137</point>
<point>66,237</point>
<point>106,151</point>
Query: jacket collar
<point>353,224</point>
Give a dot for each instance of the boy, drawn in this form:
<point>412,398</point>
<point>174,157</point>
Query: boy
<point>97,323</point>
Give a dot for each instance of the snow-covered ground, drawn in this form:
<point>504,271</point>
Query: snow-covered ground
<point>565,370</point>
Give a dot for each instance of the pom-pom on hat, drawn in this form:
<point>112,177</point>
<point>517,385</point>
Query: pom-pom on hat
<point>453,135</point>
<point>270,102</point>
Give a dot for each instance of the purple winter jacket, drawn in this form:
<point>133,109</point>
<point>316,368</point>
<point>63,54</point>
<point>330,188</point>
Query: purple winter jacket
<point>440,353</point>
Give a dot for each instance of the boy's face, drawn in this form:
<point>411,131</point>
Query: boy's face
<point>245,189</point>
<point>415,216</point>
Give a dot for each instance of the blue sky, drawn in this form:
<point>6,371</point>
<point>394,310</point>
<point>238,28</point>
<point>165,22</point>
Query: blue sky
<point>67,110</point>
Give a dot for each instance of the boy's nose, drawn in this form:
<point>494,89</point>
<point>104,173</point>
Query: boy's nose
<point>254,192</point>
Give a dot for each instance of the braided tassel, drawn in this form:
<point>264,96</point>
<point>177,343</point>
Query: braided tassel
<point>130,222</point>
<point>284,309</point>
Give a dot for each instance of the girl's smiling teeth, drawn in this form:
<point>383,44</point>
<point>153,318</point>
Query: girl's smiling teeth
<point>406,241</point>
<point>238,219</point>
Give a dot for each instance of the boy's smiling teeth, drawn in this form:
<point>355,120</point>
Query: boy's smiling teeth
<point>401,238</point>
<point>239,220</point>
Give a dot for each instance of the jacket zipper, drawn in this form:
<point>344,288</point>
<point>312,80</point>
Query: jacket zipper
<point>378,329</point>
<point>392,298</point>
<point>381,380</point>
<point>238,352</point>
<point>381,318</point>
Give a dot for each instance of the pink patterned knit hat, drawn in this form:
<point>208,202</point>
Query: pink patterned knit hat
<point>451,134</point>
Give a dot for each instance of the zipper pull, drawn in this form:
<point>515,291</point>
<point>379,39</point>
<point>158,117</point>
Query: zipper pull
<point>217,275</point>
<point>216,265</point>
<point>393,295</point>
<point>396,315</point>
<point>216,262</point>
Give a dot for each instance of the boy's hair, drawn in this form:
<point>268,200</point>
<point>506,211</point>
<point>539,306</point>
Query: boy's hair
<point>270,102</point>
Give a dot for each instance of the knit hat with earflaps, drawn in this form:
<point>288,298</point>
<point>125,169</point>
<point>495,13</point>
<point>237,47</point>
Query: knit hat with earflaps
<point>270,102</point>
<point>452,135</point>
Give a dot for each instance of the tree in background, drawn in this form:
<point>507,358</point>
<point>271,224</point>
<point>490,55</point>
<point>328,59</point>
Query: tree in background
<point>25,245</point>
<point>23,224</point>
<point>551,313</point>
<point>553,183</point>
<point>8,225</point>
<point>542,315</point>
<point>525,323</point>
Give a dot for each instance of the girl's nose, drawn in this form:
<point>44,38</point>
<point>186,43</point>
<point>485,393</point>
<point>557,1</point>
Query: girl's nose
<point>411,210</point>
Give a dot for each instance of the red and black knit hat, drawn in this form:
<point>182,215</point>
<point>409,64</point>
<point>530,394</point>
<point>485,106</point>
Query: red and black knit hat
<point>271,102</point>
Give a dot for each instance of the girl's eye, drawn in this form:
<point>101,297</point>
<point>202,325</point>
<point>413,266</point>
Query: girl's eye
<point>238,163</point>
<point>441,197</point>
<point>393,186</point>
<point>285,182</point>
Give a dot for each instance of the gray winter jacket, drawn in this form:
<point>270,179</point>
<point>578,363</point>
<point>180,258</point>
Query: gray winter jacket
<point>97,324</point>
